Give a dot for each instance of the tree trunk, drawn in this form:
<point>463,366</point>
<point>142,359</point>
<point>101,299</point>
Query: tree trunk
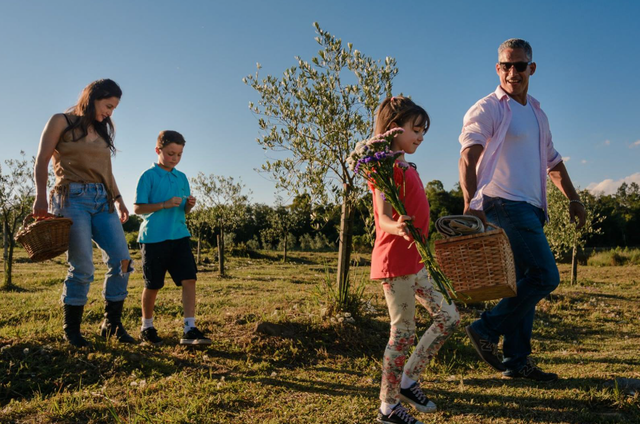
<point>7,257</point>
<point>574,265</point>
<point>221,252</point>
<point>284,257</point>
<point>344,251</point>
<point>5,238</point>
<point>198,248</point>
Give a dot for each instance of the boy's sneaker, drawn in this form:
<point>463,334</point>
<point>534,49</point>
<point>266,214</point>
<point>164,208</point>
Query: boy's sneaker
<point>531,372</point>
<point>150,336</point>
<point>398,415</point>
<point>194,337</point>
<point>414,396</point>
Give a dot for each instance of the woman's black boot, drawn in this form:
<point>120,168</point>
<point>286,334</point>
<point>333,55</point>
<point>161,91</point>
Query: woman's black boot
<point>112,324</point>
<point>72,321</point>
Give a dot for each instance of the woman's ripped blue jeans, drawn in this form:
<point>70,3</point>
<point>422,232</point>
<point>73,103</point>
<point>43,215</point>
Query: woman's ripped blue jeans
<point>87,206</point>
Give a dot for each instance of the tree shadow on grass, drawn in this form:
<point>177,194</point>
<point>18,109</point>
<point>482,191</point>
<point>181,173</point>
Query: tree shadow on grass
<point>14,289</point>
<point>334,388</point>
<point>542,407</point>
<point>31,369</point>
<point>294,345</point>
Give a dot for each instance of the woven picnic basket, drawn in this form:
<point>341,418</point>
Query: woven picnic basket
<point>44,238</point>
<point>480,266</point>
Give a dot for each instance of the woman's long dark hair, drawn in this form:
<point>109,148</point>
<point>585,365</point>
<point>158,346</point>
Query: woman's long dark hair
<point>85,110</point>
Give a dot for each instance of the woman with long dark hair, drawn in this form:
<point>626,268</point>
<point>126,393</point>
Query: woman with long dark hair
<point>80,141</point>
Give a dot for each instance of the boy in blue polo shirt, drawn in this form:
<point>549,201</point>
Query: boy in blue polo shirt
<point>163,199</point>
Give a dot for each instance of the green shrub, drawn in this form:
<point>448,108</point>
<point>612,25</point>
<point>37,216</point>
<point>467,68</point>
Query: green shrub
<point>132,239</point>
<point>615,257</point>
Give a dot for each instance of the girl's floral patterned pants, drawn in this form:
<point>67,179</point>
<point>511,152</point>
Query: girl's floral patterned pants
<point>401,294</point>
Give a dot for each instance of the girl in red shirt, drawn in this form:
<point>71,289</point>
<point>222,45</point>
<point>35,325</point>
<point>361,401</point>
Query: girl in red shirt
<point>397,264</point>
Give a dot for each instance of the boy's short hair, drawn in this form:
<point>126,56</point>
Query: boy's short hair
<point>167,137</point>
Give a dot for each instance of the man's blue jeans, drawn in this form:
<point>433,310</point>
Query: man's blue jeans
<point>88,207</point>
<point>536,274</point>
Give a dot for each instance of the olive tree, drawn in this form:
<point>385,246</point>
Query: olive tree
<point>16,197</point>
<point>220,200</point>
<point>313,116</point>
<point>563,236</point>
<point>282,220</point>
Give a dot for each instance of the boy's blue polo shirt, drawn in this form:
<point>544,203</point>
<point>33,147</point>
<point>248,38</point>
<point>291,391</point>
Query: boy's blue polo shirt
<point>156,186</point>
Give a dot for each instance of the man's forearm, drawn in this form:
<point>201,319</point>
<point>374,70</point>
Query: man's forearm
<point>560,178</point>
<point>467,170</point>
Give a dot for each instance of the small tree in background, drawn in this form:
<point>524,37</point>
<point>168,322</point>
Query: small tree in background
<point>225,203</point>
<point>562,234</point>
<point>198,221</point>
<point>282,221</point>
<point>314,115</point>
<point>16,198</point>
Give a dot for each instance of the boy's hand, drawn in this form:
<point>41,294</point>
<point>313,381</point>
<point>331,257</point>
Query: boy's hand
<point>401,227</point>
<point>191,201</point>
<point>174,202</point>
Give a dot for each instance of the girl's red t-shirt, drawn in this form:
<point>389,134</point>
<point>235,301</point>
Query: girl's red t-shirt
<point>393,256</point>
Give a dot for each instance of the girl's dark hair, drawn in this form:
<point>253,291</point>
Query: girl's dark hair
<point>167,137</point>
<point>399,109</point>
<point>85,110</point>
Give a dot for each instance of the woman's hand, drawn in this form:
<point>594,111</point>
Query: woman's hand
<point>40,206</point>
<point>121,208</point>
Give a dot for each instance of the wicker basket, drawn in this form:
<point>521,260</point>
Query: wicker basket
<point>45,238</point>
<point>480,266</point>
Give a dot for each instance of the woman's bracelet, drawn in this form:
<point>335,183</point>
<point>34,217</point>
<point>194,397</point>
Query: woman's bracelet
<point>163,204</point>
<point>578,201</point>
<point>119,196</point>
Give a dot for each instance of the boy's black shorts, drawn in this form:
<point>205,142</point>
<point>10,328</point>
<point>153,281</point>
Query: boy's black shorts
<point>170,255</point>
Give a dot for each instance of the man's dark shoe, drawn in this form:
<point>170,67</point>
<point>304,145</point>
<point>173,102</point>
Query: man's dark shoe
<point>150,336</point>
<point>531,372</point>
<point>488,351</point>
<point>194,337</point>
<point>414,396</point>
<point>398,415</point>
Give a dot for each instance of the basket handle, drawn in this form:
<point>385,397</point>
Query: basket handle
<point>36,218</point>
<point>495,227</point>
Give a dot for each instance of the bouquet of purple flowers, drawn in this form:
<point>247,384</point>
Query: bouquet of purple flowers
<point>374,160</point>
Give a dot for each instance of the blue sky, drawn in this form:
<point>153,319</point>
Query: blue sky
<point>181,64</point>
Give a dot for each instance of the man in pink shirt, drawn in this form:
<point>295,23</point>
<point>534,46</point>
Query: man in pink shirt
<point>506,155</point>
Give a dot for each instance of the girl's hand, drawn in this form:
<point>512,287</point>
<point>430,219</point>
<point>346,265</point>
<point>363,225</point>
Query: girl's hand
<point>191,202</point>
<point>40,206</point>
<point>174,202</point>
<point>401,227</point>
<point>121,209</point>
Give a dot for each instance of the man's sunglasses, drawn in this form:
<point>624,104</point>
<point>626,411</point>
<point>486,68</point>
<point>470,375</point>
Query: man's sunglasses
<point>520,66</point>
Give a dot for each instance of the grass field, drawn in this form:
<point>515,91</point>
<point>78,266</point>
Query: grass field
<point>310,370</point>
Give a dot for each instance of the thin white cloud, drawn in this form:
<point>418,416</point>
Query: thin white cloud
<point>635,144</point>
<point>566,158</point>
<point>610,186</point>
